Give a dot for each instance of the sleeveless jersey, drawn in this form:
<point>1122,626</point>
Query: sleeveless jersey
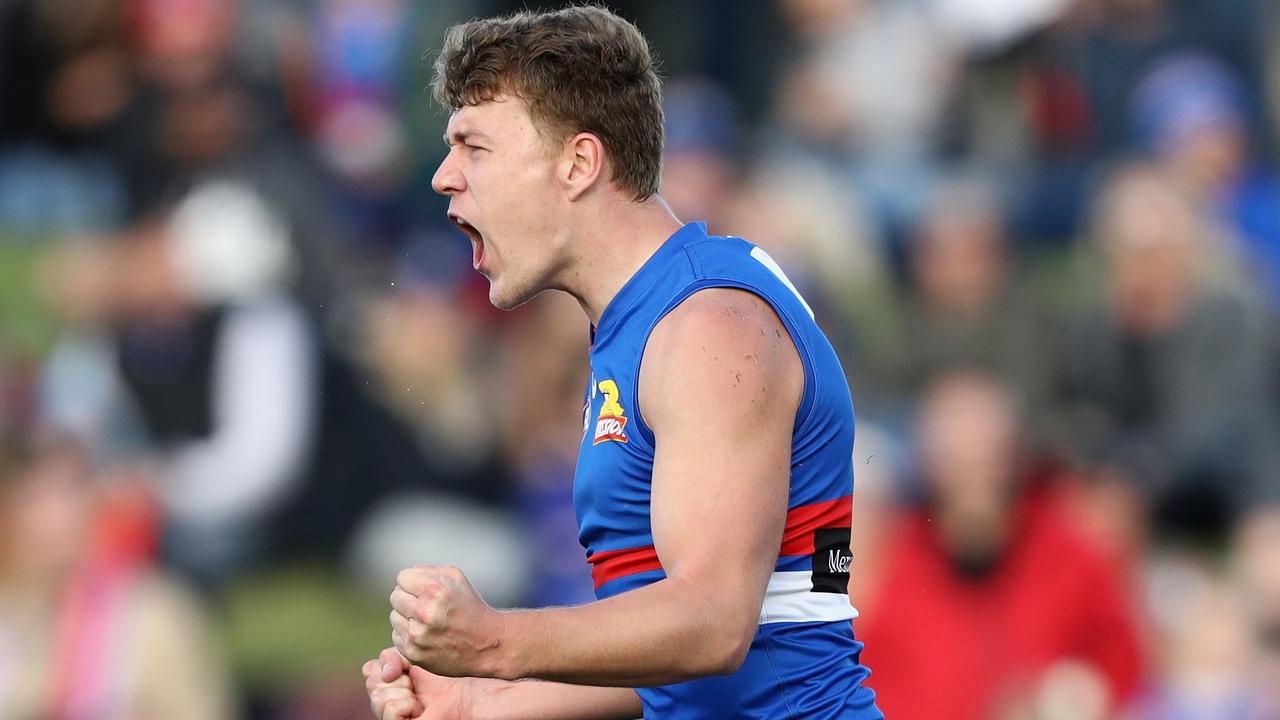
<point>804,660</point>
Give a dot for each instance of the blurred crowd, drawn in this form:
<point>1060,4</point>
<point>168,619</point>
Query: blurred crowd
<point>247,373</point>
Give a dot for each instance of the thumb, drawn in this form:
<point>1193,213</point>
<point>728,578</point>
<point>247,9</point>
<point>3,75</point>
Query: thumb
<point>393,664</point>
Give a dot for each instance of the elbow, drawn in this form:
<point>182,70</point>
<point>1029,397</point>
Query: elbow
<point>716,631</point>
<point>735,653</point>
<point>728,649</point>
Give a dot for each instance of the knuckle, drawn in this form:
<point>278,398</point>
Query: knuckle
<point>422,612</point>
<point>437,623</point>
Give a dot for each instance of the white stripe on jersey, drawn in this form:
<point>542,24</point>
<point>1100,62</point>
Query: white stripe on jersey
<point>790,598</point>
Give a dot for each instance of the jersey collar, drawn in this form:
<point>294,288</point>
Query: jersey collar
<point>639,284</point>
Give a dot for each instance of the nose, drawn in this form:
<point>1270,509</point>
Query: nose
<point>448,179</point>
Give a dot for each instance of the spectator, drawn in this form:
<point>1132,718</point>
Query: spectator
<point>200,114</point>
<point>64,85</point>
<point>868,94</point>
<point>87,628</point>
<point>809,222</point>
<point>1166,379</point>
<point>964,303</point>
<point>702,148</point>
<point>989,598</point>
<point>1191,112</point>
<point>545,389</point>
<point>1211,647</point>
<point>267,444</point>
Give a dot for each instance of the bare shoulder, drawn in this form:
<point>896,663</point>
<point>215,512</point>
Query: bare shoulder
<point>720,342</point>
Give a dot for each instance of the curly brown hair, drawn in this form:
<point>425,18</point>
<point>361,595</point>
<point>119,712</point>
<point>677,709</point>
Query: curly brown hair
<point>579,69</point>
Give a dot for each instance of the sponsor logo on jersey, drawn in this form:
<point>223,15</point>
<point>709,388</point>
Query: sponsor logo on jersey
<point>831,560</point>
<point>612,422</point>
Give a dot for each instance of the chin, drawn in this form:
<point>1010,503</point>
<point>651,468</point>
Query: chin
<point>504,299</point>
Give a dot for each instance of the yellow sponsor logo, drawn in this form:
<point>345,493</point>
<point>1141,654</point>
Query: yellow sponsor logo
<point>612,423</point>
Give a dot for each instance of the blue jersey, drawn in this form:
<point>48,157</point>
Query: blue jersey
<point>804,660</point>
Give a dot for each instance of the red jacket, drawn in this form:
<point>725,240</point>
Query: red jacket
<point>943,645</point>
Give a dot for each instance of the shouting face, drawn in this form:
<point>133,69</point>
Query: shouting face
<point>500,177</point>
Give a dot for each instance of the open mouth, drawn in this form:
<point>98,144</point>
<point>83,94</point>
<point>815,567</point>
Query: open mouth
<point>477,240</point>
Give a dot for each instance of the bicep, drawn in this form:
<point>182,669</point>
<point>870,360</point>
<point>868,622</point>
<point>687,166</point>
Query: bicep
<point>720,385</point>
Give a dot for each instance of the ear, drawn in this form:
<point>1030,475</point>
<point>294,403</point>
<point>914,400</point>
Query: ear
<point>583,164</point>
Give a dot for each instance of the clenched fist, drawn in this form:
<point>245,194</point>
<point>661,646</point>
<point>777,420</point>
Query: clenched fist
<point>414,693</point>
<point>440,622</point>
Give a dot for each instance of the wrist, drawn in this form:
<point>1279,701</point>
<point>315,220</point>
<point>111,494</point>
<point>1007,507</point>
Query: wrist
<point>489,699</point>
<point>500,662</point>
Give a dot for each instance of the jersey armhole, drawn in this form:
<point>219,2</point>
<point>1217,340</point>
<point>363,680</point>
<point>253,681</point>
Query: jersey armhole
<point>809,392</point>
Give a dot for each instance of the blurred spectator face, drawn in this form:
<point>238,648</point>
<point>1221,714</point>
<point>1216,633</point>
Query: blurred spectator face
<point>47,511</point>
<point>968,439</point>
<point>808,221</point>
<point>959,257</point>
<point>88,89</point>
<point>819,17</point>
<point>89,83</point>
<point>422,346</point>
<point>1146,231</point>
<point>969,454</point>
<point>419,334</point>
<point>183,42</point>
<point>697,171</point>
<point>203,121</point>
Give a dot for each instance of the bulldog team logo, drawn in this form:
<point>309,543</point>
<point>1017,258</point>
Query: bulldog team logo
<point>612,423</point>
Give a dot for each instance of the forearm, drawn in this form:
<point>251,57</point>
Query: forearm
<point>670,631</point>
<point>538,699</point>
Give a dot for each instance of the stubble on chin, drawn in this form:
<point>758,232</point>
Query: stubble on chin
<point>510,300</point>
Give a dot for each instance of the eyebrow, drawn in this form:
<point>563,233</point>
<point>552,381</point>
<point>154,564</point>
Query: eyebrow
<point>461,136</point>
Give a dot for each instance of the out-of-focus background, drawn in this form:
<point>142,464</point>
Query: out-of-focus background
<point>247,374</point>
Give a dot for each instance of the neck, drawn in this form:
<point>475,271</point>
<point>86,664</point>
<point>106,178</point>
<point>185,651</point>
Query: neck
<point>614,246</point>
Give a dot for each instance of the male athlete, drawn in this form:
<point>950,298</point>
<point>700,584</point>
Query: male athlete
<point>714,483</point>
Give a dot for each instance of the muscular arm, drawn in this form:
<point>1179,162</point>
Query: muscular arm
<point>720,383</point>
